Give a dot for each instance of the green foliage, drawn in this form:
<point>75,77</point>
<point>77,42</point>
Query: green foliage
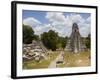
<point>62,42</point>
<point>36,37</point>
<point>50,39</point>
<point>28,34</point>
<point>88,41</point>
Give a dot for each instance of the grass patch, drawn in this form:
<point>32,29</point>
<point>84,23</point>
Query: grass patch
<point>32,64</point>
<point>76,59</point>
<point>70,60</point>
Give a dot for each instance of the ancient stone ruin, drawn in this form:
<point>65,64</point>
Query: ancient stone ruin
<point>35,50</point>
<point>75,43</point>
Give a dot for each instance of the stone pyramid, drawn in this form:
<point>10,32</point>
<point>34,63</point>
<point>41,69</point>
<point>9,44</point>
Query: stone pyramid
<point>75,43</point>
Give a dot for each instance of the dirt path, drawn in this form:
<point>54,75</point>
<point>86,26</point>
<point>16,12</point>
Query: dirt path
<point>58,58</point>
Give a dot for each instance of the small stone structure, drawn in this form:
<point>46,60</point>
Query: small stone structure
<point>35,51</point>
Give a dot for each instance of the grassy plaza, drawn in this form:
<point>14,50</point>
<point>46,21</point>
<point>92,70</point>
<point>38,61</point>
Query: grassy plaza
<point>70,60</point>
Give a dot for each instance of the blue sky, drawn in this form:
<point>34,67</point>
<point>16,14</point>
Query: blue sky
<point>41,21</point>
<point>39,15</point>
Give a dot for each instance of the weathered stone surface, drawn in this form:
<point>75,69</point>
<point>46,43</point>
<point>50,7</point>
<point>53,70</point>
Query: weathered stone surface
<point>35,51</point>
<point>75,43</point>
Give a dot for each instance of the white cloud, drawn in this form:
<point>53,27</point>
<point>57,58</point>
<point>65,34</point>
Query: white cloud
<point>88,20</point>
<point>84,29</point>
<point>31,21</point>
<point>63,24</point>
<point>76,18</point>
<point>60,23</point>
<point>55,16</point>
<point>42,28</point>
<point>36,25</point>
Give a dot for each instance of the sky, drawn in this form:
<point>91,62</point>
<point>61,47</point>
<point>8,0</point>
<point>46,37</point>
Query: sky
<point>61,22</point>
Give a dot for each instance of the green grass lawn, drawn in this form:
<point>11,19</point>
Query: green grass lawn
<point>32,64</point>
<point>70,60</point>
<point>76,59</point>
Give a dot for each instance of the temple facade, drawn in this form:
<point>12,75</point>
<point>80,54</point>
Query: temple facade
<point>75,43</point>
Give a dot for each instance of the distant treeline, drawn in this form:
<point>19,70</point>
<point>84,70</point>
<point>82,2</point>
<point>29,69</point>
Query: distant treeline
<point>50,39</point>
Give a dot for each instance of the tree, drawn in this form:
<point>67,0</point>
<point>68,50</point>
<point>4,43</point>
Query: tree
<point>88,41</point>
<point>28,34</point>
<point>50,39</point>
<point>62,42</point>
<point>36,37</point>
